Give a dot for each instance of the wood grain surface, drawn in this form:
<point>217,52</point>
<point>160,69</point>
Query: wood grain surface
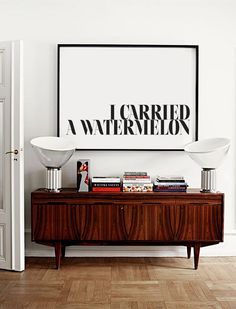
<point>120,283</point>
<point>190,219</point>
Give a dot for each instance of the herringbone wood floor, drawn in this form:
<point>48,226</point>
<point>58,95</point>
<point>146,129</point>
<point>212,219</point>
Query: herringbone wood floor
<point>120,283</point>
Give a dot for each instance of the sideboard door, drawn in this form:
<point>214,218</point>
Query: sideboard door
<point>127,222</point>
<point>93,221</point>
<point>159,221</point>
<point>55,221</point>
<point>199,221</point>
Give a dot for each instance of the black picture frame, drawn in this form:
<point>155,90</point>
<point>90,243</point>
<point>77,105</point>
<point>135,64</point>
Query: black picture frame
<point>194,48</point>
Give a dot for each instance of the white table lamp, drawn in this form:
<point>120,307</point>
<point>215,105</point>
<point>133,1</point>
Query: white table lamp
<point>209,154</point>
<point>53,153</point>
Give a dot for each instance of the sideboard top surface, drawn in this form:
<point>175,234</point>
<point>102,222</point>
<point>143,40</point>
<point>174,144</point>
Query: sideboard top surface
<point>69,193</point>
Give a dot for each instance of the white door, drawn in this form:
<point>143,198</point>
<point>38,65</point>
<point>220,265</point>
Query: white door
<point>11,157</point>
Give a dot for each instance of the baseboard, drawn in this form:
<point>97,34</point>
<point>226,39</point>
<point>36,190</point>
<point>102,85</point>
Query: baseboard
<point>226,248</point>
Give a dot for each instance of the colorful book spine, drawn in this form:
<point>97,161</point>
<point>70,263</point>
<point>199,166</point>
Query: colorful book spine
<point>169,188</point>
<point>136,177</point>
<point>137,181</point>
<point>170,178</point>
<point>172,190</point>
<point>138,187</point>
<point>135,174</point>
<point>105,180</point>
<point>105,185</point>
<point>171,184</point>
<point>106,189</point>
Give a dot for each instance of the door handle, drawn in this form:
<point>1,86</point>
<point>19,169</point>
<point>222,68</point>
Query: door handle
<point>14,151</point>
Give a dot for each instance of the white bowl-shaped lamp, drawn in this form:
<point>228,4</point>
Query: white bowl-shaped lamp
<point>53,153</point>
<point>208,154</point>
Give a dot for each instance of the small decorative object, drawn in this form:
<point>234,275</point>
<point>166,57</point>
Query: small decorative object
<point>144,97</point>
<point>209,154</point>
<point>53,153</point>
<point>83,167</point>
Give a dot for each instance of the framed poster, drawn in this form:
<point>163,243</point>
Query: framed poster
<point>128,97</point>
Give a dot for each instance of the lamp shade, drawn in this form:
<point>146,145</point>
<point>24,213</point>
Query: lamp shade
<point>208,153</point>
<point>53,152</point>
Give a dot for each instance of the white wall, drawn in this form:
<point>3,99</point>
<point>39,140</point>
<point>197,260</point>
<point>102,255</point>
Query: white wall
<point>211,24</point>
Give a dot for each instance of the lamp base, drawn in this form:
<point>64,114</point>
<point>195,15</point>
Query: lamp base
<point>208,180</point>
<point>53,180</point>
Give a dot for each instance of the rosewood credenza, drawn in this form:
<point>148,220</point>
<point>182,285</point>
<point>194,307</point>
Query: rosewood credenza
<point>191,219</point>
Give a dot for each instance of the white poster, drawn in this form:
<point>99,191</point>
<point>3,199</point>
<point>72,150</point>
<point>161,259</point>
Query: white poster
<point>128,97</point>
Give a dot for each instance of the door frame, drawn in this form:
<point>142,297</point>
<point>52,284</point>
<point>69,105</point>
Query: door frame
<point>13,158</point>
<point>17,170</point>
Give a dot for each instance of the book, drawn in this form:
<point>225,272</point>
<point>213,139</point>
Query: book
<point>137,181</point>
<point>171,181</point>
<point>170,178</point>
<point>170,184</point>
<point>105,184</point>
<point>135,174</point>
<point>169,190</point>
<point>106,189</point>
<point>106,179</point>
<point>136,177</point>
<point>83,175</point>
<point>138,187</point>
<point>170,187</point>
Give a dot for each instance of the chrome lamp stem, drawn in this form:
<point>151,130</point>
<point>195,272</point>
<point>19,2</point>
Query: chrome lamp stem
<point>53,179</point>
<point>208,180</point>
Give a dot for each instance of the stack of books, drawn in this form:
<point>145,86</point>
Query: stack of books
<point>106,184</point>
<point>137,182</point>
<point>170,184</point>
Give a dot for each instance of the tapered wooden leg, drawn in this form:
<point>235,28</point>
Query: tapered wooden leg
<point>196,255</point>
<point>58,254</point>
<point>63,251</point>
<point>189,251</point>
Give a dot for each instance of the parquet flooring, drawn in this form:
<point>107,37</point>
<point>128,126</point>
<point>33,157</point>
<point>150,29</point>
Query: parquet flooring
<point>121,283</point>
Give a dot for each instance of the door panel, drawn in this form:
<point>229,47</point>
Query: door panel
<point>1,66</point>
<point>5,161</point>
<point>199,222</point>
<point>2,226</point>
<point>55,222</point>
<point>1,146</point>
<point>95,221</point>
<point>110,222</point>
<point>17,161</point>
<point>159,221</point>
<point>11,166</point>
<point>132,221</point>
<point>144,221</point>
<point>127,222</point>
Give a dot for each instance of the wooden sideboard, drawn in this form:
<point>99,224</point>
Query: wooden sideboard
<point>191,219</point>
